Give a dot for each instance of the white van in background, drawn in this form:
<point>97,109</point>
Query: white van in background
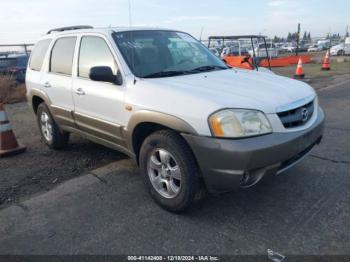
<point>341,49</point>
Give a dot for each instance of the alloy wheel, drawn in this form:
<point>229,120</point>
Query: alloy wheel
<point>46,126</point>
<point>164,173</point>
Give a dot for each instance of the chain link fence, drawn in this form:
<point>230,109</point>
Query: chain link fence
<point>9,49</point>
<point>13,64</point>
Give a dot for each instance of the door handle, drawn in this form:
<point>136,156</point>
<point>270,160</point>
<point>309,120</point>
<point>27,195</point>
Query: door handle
<point>80,92</point>
<point>47,85</point>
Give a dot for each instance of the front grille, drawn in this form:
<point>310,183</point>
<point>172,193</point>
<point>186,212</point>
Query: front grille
<point>297,116</point>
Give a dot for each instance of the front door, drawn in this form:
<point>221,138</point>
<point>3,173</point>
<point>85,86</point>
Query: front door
<point>98,105</point>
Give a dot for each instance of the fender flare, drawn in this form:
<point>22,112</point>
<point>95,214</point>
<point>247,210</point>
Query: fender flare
<point>149,116</point>
<point>36,92</point>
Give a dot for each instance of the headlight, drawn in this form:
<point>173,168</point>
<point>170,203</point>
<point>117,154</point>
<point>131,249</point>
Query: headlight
<point>235,123</point>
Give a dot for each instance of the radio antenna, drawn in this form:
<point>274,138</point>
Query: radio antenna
<point>200,36</point>
<point>130,18</point>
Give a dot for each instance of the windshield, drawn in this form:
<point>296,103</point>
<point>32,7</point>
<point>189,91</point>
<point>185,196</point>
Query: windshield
<point>159,53</point>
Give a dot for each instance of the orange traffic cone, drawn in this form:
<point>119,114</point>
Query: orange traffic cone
<point>299,73</point>
<point>326,64</point>
<point>8,141</point>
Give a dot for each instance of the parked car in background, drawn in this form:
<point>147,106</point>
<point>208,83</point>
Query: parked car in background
<point>303,47</point>
<point>260,50</point>
<point>288,48</point>
<point>15,64</point>
<point>191,123</point>
<point>315,48</point>
<point>234,50</point>
<point>325,44</point>
<point>341,49</point>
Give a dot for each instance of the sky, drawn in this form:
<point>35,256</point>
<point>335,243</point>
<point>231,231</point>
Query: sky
<point>24,21</point>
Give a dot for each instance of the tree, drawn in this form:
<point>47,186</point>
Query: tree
<point>305,36</point>
<point>309,36</point>
<point>295,36</point>
<point>278,39</point>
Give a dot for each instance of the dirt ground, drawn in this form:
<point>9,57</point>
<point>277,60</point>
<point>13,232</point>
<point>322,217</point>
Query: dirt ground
<point>10,90</point>
<point>313,70</point>
<point>40,169</point>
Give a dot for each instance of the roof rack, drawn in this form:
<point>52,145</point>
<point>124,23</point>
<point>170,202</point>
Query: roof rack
<point>75,27</point>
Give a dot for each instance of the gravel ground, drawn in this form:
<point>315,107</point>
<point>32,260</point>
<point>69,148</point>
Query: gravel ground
<point>40,169</point>
<point>313,71</point>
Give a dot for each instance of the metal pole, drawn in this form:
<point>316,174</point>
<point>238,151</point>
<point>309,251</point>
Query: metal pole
<point>25,49</point>
<point>267,53</point>
<point>298,39</point>
<point>254,56</point>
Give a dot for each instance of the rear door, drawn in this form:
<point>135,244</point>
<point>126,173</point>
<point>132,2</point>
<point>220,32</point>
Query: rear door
<point>37,58</point>
<point>57,81</point>
<point>99,106</point>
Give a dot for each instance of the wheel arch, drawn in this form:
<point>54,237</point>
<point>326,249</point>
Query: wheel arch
<point>36,97</point>
<point>36,101</point>
<point>145,122</point>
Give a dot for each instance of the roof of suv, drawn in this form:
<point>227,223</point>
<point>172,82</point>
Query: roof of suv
<point>102,30</point>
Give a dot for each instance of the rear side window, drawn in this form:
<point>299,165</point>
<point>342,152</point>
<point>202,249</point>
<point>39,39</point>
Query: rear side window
<point>38,54</point>
<point>94,51</point>
<point>62,53</point>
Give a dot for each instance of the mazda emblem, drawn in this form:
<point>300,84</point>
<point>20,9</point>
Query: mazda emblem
<point>304,114</point>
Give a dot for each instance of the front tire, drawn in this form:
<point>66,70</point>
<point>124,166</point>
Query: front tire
<point>50,132</point>
<point>169,170</point>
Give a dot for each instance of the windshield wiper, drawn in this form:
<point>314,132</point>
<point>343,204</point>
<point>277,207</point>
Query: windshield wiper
<point>184,72</point>
<point>208,68</point>
<point>165,74</point>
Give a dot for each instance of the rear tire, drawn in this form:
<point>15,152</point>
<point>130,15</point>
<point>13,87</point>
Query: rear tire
<point>50,132</point>
<point>341,52</point>
<point>170,171</point>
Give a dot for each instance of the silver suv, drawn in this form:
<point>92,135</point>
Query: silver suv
<point>192,123</point>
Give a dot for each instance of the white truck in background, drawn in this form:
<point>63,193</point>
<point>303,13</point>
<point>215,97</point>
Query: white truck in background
<point>347,41</point>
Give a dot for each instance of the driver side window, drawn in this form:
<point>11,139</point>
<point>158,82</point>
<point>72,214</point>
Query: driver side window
<point>94,51</point>
<point>182,52</point>
<point>179,51</point>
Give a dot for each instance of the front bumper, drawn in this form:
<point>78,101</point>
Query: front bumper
<point>227,164</point>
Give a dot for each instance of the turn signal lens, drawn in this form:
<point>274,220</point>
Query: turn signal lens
<point>216,126</point>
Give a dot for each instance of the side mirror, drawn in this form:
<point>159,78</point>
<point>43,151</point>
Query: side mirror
<point>104,74</point>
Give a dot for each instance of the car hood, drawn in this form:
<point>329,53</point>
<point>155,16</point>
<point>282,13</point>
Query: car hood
<point>229,89</point>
